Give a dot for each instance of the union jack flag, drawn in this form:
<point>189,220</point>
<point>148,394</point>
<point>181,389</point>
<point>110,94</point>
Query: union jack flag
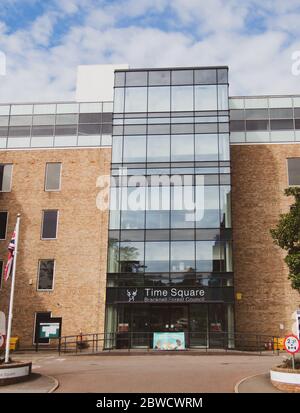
<point>10,258</point>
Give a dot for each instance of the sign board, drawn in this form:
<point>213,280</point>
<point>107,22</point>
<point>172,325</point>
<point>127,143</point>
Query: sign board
<point>291,344</point>
<point>49,330</point>
<point>169,341</point>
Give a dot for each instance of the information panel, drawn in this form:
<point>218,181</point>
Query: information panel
<point>169,341</point>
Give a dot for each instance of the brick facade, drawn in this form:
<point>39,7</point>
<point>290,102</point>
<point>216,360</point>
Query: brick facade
<point>259,177</point>
<point>80,247</point>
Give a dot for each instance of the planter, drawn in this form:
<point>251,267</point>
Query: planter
<point>284,379</point>
<point>14,372</point>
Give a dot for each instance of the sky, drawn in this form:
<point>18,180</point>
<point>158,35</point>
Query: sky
<point>43,42</point>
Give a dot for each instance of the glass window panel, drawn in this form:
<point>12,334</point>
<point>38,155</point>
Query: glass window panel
<point>257,125</point>
<point>222,97</point>
<point>3,224</point>
<point>3,132</point>
<point>280,102</point>
<point>18,143</point>
<point>119,78</point>
<point>114,219</point>
<point>182,234</point>
<point>183,207</point>
<point>42,142</point>
<point>113,256</point>
<point>182,148</point>
<point>206,97</point>
<point>117,149</point>
<point>21,109</point>
<point>256,114</point>
<point>207,204</point>
<point>46,275</point>
<point>107,128</point>
<point>52,180</point>
<point>159,77</point>
<point>208,256</point>
<point>157,219</point>
<point>108,107</point>
<point>19,131</point>
<point>286,113</point>
<point>67,119</point>
<point>135,130</point>
<point>134,149</point>
<point>236,114</point>
<point>159,99</point>
<point>237,137</point>
<point>182,256</point>
<point>90,118</point>
<point>132,257</point>
<point>42,130</point>
<point>119,100</point>
<point>133,199</point>
<point>157,256</point>
<point>5,177</point>
<point>92,140</point>
<point>136,78</point>
<point>158,198</point>
<point>237,125</point>
<point>207,127</point>
<point>293,171</point>
<point>43,120</point>
<point>4,120</point>
<point>20,120</point>
<point>259,136</point>
<point>182,77</point>
<point>206,147</point>
<point>205,76</point>
<point>66,130</point>
<point>222,75</point>
<point>158,129</point>
<point>255,103</point>
<point>182,98</point>
<point>136,99</point>
<point>157,234</point>
<point>67,108</point>
<point>133,219</point>
<point>44,109</point>
<point>237,103</point>
<point>4,110</point>
<point>225,206</point>
<point>107,117</point>
<point>106,140</point>
<point>91,107</point>
<point>65,141</point>
<point>158,148</point>
<point>49,226</point>
<point>282,124</point>
<point>184,128</point>
<point>224,147</point>
<point>283,136</point>
<point>86,129</point>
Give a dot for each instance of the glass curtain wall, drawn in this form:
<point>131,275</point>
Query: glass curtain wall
<point>171,176</point>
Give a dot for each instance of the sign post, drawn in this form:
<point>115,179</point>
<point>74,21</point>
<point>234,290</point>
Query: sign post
<point>292,345</point>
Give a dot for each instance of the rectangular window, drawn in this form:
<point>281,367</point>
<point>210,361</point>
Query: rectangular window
<point>52,179</point>
<point>5,177</point>
<point>293,171</point>
<point>49,227</point>
<point>3,224</point>
<point>40,317</point>
<point>46,275</point>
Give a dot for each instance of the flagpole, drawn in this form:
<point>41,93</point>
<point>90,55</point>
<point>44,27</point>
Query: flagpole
<point>12,291</point>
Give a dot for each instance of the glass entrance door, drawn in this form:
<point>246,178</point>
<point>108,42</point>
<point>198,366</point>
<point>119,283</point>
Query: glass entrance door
<point>198,324</point>
<point>139,326</point>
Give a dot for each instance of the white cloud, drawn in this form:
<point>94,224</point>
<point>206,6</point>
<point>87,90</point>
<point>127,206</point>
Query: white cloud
<point>193,33</point>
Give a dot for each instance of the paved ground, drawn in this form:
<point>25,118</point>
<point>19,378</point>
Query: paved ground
<point>151,373</point>
<point>37,384</point>
<point>257,384</point>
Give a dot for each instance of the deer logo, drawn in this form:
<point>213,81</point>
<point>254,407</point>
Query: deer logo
<point>131,295</point>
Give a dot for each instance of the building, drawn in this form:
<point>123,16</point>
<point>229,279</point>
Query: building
<point>196,182</point>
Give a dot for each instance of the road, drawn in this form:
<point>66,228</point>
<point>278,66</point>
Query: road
<point>150,373</point>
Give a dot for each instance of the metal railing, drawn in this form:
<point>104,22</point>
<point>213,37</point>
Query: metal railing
<point>131,341</point>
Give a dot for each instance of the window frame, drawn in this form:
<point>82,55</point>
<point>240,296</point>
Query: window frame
<point>46,175</point>
<point>288,172</point>
<point>38,275</point>
<point>42,226</point>
<point>10,181</point>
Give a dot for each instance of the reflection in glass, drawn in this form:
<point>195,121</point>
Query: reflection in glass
<point>206,147</point>
<point>208,256</point>
<point>182,98</point>
<point>222,97</point>
<point>225,206</point>
<point>182,256</point>
<point>159,99</point>
<point>134,149</point>
<point>119,100</point>
<point>113,256</point>
<point>133,219</point>
<point>182,148</point>
<point>207,203</point>
<point>159,77</point>
<point>206,97</point>
<point>158,148</point>
<point>136,99</point>
<point>224,154</point>
<point>157,256</point>
<point>131,257</point>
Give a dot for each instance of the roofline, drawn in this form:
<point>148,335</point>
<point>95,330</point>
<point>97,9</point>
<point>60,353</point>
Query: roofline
<point>146,69</point>
<point>263,96</point>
